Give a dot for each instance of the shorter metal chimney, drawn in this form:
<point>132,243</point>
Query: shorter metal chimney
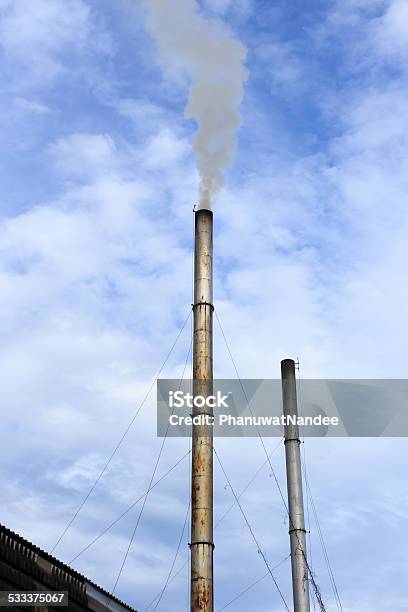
<point>297,532</point>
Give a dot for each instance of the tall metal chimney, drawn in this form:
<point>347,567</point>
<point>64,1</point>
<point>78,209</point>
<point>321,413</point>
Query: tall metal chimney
<point>202,544</point>
<point>297,530</point>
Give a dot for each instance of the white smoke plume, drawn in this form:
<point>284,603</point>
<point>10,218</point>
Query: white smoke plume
<point>214,61</point>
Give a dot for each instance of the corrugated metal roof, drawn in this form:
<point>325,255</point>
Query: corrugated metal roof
<point>66,569</point>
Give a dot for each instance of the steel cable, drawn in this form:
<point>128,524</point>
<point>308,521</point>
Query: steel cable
<point>312,578</point>
<point>309,497</point>
<point>121,439</point>
<point>125,512</point>
<point>167,582</point>
<point>151,479</point>
<point>217,524</point>
<point>252,585</point>
<point>260,551</point>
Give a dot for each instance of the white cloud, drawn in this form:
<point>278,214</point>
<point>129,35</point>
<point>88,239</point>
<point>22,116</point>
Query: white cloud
<point>84,154</point>
<point>218,6</point>
<point>389,33</point>
<point>145,115</point>
<point>31,106</point>
<point>35,35</point>
<point>351,13</point>
<point>281,65</point>
<point>377,33</point>
<point>164,149</point>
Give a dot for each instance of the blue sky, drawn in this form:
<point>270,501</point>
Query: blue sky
<point>97,185</point>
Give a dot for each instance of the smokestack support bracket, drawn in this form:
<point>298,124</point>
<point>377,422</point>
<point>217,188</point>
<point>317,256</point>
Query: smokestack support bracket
<point>194,306</point>
<point>292,440</point>
<point>190,544</point>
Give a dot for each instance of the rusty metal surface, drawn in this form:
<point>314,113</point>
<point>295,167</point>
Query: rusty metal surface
<point>202,595</point>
